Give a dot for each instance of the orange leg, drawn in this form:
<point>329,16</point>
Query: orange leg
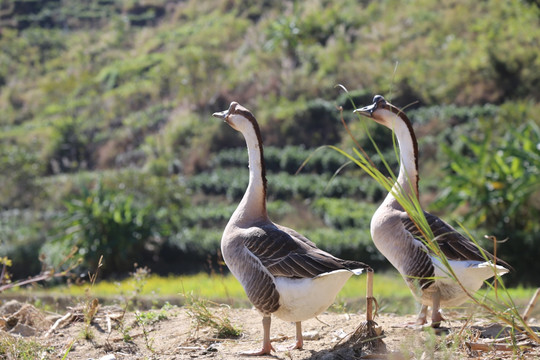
<point>267,347</point>
<point>299,337</point>
<point>436,316</point>
<point>422,316</point>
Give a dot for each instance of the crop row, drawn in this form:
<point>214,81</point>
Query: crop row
<point>232,183</point>
<point>285,159</point>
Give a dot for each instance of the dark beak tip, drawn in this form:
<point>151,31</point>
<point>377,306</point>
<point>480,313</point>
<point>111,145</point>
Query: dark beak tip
<point>365,111</point>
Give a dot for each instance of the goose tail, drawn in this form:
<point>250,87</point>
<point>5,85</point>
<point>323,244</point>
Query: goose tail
<point>489,266</point>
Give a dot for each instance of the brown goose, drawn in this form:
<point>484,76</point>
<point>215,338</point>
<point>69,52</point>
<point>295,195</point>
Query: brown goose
<point>398,238</point>
<point>282,272</point>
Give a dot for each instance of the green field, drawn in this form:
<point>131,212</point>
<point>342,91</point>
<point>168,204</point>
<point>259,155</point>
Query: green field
<point>389,289</point>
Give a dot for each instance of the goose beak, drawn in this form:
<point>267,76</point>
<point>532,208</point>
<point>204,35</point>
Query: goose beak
<point>367,110</point>
<point>221,115</point>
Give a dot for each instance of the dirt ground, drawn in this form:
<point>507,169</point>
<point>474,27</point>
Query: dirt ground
<point>173,333</point>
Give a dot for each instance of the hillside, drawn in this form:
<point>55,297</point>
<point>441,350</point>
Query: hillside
<point>108,144</point>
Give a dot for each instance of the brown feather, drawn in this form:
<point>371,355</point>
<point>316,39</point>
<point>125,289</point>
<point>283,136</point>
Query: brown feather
<point>284,254</point>
<point>453,245</point>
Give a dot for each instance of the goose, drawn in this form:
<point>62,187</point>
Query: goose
<point>396,236</point>
<point>282,272</point>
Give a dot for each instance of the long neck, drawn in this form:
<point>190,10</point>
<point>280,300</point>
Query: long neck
<point>253,204</point>
<point>407,180</point>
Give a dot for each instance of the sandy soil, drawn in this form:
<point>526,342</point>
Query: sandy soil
<point>175,335</point>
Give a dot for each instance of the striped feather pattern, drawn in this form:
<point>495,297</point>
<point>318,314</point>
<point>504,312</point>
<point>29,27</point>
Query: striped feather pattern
<point>420,268</point>
<point>453,245</point>
<point>260,287</point>
<point>283,254</point>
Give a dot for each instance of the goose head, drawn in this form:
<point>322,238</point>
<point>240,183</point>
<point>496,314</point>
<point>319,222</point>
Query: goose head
<point>384,113</point>
<point>381,111</point>
<point>237,116</point>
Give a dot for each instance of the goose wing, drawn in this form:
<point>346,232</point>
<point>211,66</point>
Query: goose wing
<point>453,245</point>
<point>296,235</point>
<point>284,252</point>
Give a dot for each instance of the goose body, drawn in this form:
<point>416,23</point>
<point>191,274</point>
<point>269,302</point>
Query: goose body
<point>283,273</point>
<point>396,236</point>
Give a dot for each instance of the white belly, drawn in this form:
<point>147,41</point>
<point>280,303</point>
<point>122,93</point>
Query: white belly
<point>302,299</point>
<point>471,274</point>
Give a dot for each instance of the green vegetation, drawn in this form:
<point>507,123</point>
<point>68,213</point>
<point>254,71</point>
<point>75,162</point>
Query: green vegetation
<point>143,319</point>
<point>389,289</point>
<point>152,317</point>
<point>498,182</point>
<point>15,347</point>
<point>198,310</point>
<point>107,142</point>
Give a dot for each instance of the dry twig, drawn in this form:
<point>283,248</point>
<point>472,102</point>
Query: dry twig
<point>531,305</point>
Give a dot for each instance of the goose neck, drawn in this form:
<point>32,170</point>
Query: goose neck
<point>407,180</point>
<point>253,204</point>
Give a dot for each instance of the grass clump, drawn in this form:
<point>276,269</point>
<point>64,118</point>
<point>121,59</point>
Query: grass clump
<point>20,348</point>
<point>137,282</point>
<point>198,310</point>
<point>429,345</point>
<point>152,317</point>
<point>147,318</point>
<point>91,304</point>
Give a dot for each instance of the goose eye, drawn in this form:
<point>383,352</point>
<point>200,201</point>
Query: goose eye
<point>377,98</point>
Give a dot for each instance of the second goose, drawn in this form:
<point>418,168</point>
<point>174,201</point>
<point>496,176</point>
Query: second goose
<point>399,240</point>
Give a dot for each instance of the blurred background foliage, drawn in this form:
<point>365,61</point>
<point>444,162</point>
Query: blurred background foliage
<point>107,141</point>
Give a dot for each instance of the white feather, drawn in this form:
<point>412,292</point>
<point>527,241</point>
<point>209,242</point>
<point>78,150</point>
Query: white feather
<point>302,299</point>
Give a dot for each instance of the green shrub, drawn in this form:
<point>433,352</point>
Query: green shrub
<point>497,179</point>
<point>20,168</point>
<point>69,151</point>
<point>311,124</point>
<point>23,234</point>
<point>191,250</point>
<point>107,223</point>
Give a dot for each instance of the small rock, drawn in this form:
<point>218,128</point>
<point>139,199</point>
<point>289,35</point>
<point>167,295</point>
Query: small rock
<point>493,331</point>
<point>311,335</point>
<point>23,330</point>
<point>339,334</point>
<point>330,356</point>
<point>108,357</point>
<point>11,307</point>
<point>212,348</point>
